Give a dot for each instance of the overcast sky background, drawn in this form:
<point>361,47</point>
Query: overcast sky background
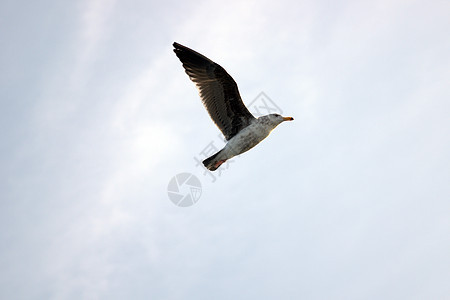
<point>349,201</point>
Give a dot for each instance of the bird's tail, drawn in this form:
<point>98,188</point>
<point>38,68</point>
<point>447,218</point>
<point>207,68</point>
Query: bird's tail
<point>212,162</point>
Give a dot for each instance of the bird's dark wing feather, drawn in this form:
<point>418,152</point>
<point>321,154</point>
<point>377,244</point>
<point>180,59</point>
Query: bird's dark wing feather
<point>218,91</point>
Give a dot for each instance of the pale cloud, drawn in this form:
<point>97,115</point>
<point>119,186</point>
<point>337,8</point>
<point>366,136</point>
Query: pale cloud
<point>95,29</point>
<point>64,82</point>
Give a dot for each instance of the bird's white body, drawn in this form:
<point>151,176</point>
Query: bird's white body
<point>246,139</point>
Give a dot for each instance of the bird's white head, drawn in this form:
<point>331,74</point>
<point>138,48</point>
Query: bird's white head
<point>276,119</point>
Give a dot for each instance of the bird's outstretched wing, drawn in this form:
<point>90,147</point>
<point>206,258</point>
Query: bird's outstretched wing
<point>218,91</point>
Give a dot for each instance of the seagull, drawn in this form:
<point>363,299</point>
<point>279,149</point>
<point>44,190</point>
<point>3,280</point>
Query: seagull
<point>220,96</point>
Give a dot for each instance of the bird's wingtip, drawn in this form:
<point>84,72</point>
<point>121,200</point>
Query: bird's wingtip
<point>177,45</point>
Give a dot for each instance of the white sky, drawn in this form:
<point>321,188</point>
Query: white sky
<point>349,201</point>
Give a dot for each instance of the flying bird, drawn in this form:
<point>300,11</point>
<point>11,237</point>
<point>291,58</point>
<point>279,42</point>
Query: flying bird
<point>220,96</point>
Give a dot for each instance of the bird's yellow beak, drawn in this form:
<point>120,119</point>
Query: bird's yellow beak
<point>288,118</point>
